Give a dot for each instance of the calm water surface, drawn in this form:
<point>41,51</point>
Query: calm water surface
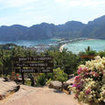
<point>32,43</point>
<point>76,47</point>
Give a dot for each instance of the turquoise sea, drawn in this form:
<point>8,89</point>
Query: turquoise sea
<point>76,47</point>
<point>32,43</point>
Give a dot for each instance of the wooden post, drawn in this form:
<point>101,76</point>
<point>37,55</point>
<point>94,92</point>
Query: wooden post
<point>22,77</point>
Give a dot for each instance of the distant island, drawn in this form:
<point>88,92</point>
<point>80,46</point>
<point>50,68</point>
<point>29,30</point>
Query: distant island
<point>71,29</point>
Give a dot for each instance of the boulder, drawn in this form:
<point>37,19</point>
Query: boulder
<point>68,84</point>
<point>7,88</point>
<point>70,81</point>
<point>55,85</point>
<point>71,76</point>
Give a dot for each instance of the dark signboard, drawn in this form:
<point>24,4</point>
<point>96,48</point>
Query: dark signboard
<point>37,64</point>
<point>34,70</point>
<point>46,64</point>
<point>37,58</point>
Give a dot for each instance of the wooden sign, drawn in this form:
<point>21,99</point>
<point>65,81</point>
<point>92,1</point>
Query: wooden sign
<point>37,58</point>
<point>37,64</point>
<point>46,64</point>
<point>34,70</point>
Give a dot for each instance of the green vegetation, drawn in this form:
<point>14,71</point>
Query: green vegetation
<point>65,62</point>
<point>59,75</point>
<point>41,80</point>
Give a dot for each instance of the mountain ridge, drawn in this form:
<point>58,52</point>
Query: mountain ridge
<point>71,29</point>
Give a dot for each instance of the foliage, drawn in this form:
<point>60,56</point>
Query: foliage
<point>88,51</point>
<point>65,60</point>
<point>48,81</point>
<point>89,85</point>
<point>101,53</point>
<point>41,80</point>
<point>28,82</point>
<point>59,75</point>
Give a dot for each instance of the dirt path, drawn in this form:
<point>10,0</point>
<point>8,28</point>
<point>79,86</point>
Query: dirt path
<point>39,96</point>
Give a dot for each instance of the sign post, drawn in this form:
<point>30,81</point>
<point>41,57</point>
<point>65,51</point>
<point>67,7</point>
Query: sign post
<point>22,77</point>
<point>38,64</point>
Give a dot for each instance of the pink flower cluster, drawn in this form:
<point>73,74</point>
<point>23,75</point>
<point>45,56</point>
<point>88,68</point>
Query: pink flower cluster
<point>82,74</point>
<point>82,70</point>
<point>94,74</point>
<point>78,83</point>
<point>87,91</point>
<point>77,79</point>
<point>85,72</point>
<point>89,85</point>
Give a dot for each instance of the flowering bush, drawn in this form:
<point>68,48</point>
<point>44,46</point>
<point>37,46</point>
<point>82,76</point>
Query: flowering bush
<point>89,85</point>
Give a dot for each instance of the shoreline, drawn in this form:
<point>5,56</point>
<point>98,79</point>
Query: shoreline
<point>75,40</point>
<point>62,47</point>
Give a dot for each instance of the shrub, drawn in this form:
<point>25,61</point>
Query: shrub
<point>59,75</point>
<point>28,82</point>
<point>89,85</point>
<point>101,53</point>
<point>48,82</point>
<point>41,80</point>
<point>91,52</point>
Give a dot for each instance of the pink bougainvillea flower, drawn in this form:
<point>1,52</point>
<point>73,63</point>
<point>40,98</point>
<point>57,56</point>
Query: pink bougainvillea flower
<point>82,70</point>
<point>78,86</point>
<point>77,79</point>
<point>81,83</point>
<point>79,70</point>
<point>74,85</point>
<point>85,70</point>
<point>94,74</point>
<point>87,91</point>
<point>86,74</point>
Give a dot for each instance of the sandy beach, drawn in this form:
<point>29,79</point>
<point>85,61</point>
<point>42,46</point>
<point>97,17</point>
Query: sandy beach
<point>61,47</point>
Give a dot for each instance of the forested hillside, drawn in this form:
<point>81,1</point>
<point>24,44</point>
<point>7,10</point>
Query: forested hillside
<point>71,29</point>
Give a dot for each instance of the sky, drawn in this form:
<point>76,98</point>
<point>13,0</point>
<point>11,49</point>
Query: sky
<point>31,12</point>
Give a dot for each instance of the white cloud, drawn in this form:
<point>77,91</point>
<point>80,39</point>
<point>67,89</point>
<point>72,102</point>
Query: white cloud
<point>27,19</point>
<point>30,12</point>
<point>16,3</point>
<point>83,3</point>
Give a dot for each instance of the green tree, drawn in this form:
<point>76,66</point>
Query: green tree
<point>59,75</point>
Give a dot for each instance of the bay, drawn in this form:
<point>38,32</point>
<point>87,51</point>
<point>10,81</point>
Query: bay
<point>78,46</point>
<point>32,43</point>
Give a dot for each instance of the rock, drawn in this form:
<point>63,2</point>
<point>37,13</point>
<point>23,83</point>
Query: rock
<point>55,85</point>
<point>7,88</point>
<point>66,88</point>
<point>6,79</point>
<point>71,76</point>
<point>70,81</point>
<point>67,84</point>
